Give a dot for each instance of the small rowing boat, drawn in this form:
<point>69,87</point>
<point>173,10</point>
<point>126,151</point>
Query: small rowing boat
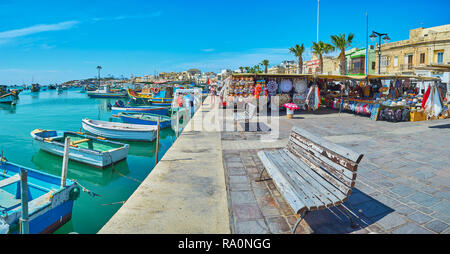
<point>94,151</point>
<point>157,110</point>
<point>49,203</point>
<point>146,119</point>
<point>121,131</point>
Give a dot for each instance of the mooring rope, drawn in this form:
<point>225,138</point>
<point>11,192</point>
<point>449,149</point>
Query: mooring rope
<point>84,189</point>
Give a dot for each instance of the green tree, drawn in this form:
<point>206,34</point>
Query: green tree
<point>298,52</point>
<point>342,43</point>
<point>265,63</point>
<point>241,69</point>
<point>321,48</point>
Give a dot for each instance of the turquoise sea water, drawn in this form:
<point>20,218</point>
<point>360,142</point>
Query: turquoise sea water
<point>53,111</point>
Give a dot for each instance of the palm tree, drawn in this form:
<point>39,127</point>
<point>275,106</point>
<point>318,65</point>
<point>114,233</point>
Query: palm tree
<point>341,43</point>
<point>247,69</point>
<point>256,69</point>
<point>265,63</point>
<point>298,52</point>
<point>241,69</point>
<point>321,48</point>
<point>99,68</point>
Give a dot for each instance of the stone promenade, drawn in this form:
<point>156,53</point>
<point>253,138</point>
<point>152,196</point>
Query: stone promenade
<point>403,182</point>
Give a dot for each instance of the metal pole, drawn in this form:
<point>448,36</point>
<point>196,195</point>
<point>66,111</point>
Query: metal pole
<point>379,54</point>
<point>65,162</point>
<point>318,3</point>
<point>178,122</point>
<point>24,224</point>
<point>367,43</point>
<point>157,140</point>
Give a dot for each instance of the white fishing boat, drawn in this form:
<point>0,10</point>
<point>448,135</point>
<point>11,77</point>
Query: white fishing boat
<point>121,131</point>
<point>94,151</point>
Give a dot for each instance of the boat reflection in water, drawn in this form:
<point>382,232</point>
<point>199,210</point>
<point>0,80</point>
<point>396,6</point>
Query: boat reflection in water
<point>11,109</point>
<point>52,164</point>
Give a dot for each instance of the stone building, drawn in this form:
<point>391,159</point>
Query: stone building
<point>425,47</point>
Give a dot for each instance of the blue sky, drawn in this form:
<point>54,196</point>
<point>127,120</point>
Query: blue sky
<point>55,41</point>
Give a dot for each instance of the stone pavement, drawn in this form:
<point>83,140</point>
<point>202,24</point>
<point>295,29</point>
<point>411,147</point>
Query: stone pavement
<point>403,182</point>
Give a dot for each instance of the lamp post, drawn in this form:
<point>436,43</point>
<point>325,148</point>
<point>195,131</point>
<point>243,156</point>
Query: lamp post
<point>99,68</point>
<point>386,39</point>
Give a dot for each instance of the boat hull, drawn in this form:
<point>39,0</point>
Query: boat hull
<point>153,110</point>
<point>133,120</point>
<point>49,206</point>
<point>146,136</point>
<point>7,98</point>
<point>106,95</point>
<point>85,156</point>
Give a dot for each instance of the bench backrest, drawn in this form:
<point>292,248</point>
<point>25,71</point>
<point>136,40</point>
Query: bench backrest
<point>334,163</point>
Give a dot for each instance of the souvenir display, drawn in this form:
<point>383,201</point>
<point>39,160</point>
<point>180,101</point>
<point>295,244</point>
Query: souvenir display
<point>300,86</point>
<point>272,87</point>
<point>286,85</point>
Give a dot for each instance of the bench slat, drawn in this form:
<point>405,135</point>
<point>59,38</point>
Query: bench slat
<point>333,152</point>
<point>327,189</point>
<point>295,200</point>
<point>304,181</point>
<point>323,173</point>
<point>344,175</point>
<point>345,152</point>
<point>305,189</point>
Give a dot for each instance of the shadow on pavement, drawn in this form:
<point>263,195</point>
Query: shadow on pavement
<point>365,211</point>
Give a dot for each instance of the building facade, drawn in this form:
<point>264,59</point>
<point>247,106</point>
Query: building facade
<point>425,47</point>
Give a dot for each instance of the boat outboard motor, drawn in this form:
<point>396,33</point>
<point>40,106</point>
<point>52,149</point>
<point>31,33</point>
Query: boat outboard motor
<point>120,103</point>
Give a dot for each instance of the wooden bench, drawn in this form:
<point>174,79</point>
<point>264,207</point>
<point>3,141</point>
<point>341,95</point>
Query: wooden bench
<point>312,173</point>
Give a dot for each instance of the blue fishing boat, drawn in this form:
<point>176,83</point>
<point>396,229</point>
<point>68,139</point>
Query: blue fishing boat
<point>49,202</point>
<point>146,119</point>
<point>157,110</point>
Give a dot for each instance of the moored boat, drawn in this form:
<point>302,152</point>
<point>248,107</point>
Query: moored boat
<point>121,131</point>
<point>49,203</point>
<point>146,119</point>
<point>105,92</point>
<point>35,87</point>
<point>157,110</point>
<point>6,96</point>
<point>87,149</point>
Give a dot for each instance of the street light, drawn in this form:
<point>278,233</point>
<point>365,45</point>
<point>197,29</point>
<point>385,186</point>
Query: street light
<point>386,39</point>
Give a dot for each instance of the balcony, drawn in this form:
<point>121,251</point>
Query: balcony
<point>406,67</point>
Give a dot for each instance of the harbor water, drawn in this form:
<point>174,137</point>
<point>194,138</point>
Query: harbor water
<point>52,111</point>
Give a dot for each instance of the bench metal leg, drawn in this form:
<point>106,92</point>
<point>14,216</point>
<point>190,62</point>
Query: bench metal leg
<point>350,217</point>
<point>260,176</point>
<point>298,222</point>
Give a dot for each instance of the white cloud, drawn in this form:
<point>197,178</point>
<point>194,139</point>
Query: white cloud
<point>208,50</point>
<point>37,29</point>
<point>123,17</point>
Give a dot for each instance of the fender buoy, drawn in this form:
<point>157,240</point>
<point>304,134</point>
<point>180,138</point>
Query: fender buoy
<point>156,90</point>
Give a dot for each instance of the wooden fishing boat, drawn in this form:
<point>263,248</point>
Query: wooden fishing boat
<point>121,131</point>
<point>146,119</point>
<point>157,110</point>
<point>35,87</point>
<point>156,101</point>
<point>7,98</point>
<point>49,203</point>
<point>105,92</point>
<point>94,151</point>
